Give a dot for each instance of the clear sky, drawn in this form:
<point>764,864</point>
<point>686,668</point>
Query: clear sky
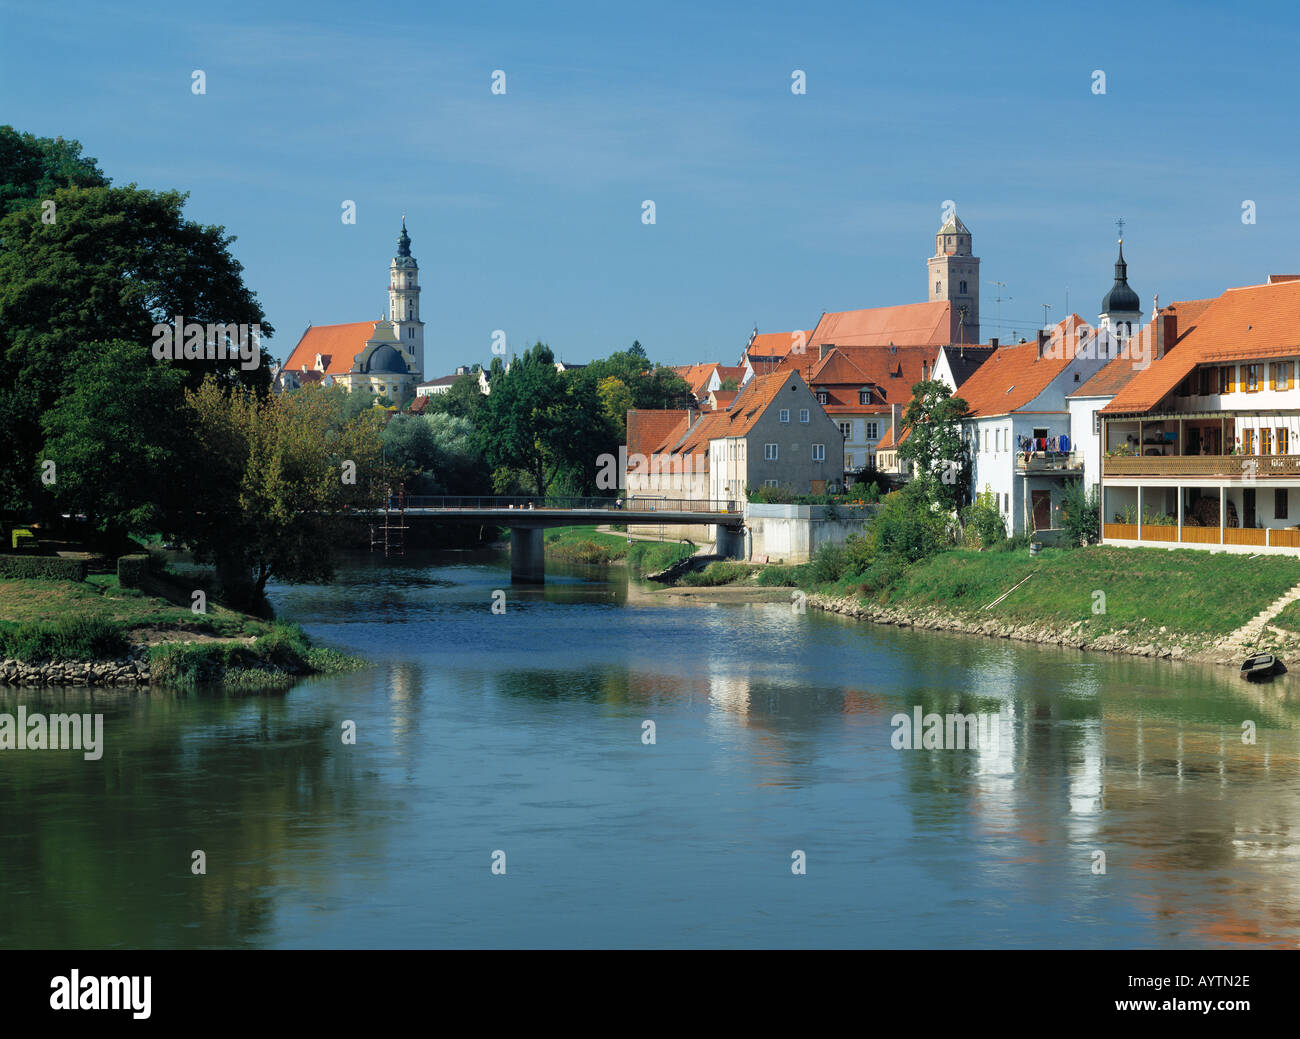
<point>525,208</point>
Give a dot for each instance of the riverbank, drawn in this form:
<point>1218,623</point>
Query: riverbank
<point>1183,604</point>
<point>95,632</point>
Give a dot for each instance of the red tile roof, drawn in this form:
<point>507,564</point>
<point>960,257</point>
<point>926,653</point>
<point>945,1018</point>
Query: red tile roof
<point>912,324</point>
<point>1015,375</point>
<point>337,344</point>
<point>647,429</point>
<point>722,398</point>
<point>1255,321</point>
<point>775,344</point>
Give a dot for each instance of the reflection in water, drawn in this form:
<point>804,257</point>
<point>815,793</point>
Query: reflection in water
<point>522,732</point>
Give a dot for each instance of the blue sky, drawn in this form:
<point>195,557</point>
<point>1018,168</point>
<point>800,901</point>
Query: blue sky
<point>525,209</point>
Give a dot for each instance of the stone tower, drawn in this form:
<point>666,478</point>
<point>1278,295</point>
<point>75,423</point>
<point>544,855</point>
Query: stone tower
<point>404,302</point>
<point>955,279</point>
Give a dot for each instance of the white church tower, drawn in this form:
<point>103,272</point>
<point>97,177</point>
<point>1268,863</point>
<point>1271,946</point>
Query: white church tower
<point>404,302</point>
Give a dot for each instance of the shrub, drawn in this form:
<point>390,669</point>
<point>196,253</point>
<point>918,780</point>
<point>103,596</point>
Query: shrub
<point>905,526</point>
<point>649,557</point>
<point>828,564</point>
<point>72,638</point>
<point>721,572</point>
<point>1080,514</point>
<point>132,570</point>
<point>48,568</point>
<point>775,576</point>
<point>983,521</point>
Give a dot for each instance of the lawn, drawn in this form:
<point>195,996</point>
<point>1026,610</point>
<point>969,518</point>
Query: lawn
<point>1107,589</point>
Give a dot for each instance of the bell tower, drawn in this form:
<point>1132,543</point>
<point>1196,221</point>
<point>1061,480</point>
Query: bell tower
<point>955,279</point>
<point>404,302</point>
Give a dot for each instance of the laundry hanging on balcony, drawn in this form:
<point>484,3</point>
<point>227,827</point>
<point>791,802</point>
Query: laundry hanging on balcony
<point>1058,444</point>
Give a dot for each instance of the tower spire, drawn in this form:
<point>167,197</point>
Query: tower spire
<point>404,243</point>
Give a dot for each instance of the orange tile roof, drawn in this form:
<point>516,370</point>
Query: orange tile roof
<point>647,429</point>
<point>893,372</point>
<point>912,324</point>
<point>1110,380</point>
<point>1254,321</point>
<point>722,398</point>
<point>697,375</point>
<point>774,344</point>
<point>1015,375</point>
<point>338,345</point>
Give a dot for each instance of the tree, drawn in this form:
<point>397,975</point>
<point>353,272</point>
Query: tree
<point>730,384</point>
<point>115,262</point>
<point>273,479</point>
<point>637,350</point>
<point>33,168</point>
<point>111,463</point>
<point>464,399</point>
<point>1080,514</point>
<point>616,401</point>
<point>934,442</point>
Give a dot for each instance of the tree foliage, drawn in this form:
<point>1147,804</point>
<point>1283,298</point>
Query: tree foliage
<point>934,442</point>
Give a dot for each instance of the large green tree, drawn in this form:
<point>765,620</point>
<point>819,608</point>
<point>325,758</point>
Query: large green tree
<point>105,263</point>
<point>934,442</point>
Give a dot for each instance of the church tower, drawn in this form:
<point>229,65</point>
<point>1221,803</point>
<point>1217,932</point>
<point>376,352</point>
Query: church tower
<point>1121,310</point>
<point>955,279</point>
<point>404,302</point>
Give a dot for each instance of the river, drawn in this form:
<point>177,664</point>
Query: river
<point>523,733</point>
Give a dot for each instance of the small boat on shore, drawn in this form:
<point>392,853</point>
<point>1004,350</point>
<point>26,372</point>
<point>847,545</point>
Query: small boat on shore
<point>1261,665</point>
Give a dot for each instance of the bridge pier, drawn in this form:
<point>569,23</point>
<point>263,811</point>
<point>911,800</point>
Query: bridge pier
<point>729,542</point>
<point>527,555</point>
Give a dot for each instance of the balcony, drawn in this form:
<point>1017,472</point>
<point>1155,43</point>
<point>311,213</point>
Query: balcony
<point>1034,463</point>
<point>1247,467</point>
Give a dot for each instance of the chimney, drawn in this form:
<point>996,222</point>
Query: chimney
<point>1042,341</point>
<point>893,423</point>
<point>1166,332</point>
<point>993,343</point>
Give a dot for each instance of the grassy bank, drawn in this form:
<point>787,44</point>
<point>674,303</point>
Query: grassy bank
<point>585,545</point>
<point>1101,588</point>
<point>97,619</point>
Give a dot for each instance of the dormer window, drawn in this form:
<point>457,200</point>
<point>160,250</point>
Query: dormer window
<point>864,396</point>
<point>822,397</point>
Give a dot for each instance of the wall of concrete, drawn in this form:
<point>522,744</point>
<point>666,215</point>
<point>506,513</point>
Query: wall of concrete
<point>793,533</point>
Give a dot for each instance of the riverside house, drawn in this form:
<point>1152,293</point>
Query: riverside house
<point>773,434</point>
<point>1200,449</point>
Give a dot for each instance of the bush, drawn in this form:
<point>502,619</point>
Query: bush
<point>649,557</point>
<point>73,638</point>
<point>828,564</point>
<point>775,576</point>
<point>1080,515</point>
<point>983,522</point>
<point>721,572</point>
<point>905,526</point>
<point>47,568</point>
<point>132,570</point>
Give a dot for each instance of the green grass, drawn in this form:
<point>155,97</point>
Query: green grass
<point>716,573</point>
<point>1186,590</point>
<point>69,638</point>
<point>649,557</point>
<point>274,659</point>
<point>776,576</point>
<point>585,545</point>
<point>1289,618</point>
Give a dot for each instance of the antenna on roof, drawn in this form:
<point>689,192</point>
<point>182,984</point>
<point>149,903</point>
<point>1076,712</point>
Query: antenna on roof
<point>1001,285</point>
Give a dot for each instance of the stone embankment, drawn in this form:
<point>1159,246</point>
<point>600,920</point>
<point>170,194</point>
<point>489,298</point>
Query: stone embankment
<point>129,670</point>
<point>1162,643</point>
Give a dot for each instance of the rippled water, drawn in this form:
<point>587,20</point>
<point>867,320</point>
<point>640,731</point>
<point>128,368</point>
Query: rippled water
<point>522,733</point>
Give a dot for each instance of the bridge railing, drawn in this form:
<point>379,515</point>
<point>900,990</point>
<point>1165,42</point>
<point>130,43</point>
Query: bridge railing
<point>637,504</point>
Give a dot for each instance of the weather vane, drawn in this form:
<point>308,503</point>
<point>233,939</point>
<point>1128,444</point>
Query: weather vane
<point>1120,224</point>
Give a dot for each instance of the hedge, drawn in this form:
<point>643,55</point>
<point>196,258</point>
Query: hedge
<point>132,570</point>
<point>48,568</point>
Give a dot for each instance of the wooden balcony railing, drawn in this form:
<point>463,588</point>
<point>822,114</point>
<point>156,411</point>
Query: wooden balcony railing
<point>1248,467</point>
<point>1273,537</point>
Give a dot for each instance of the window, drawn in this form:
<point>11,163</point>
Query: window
<point>938,287</point>
<point>848,460</point>
<point>785,416</point>
<point>1203,380</point>
<point>873,430</point>
<point>1006,503</point>
<point>1279,503</point>
<point>769,452</point>
<point>1096,423</point>
<point>803,415</point>
<point>1225,378</point>
<point>846,430</point>
<point>1265,441</point>
<point>1282,375</point>
<point>770,483</point>
<point>819,453</point>
<point>963,288</point>
<point>864,396</point>
<point>1283,436</point>
<point>1252,378</point>
<point>1248,441</point>
<point>822,398</point>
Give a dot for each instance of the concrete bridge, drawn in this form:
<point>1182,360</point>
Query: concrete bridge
<point>528,517</point>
